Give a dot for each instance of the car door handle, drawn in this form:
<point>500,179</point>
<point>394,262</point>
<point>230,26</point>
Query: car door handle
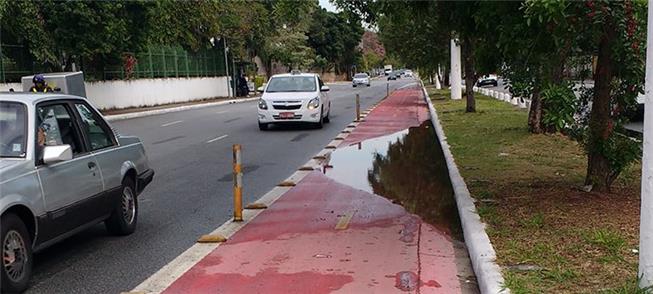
<point>91,165</point>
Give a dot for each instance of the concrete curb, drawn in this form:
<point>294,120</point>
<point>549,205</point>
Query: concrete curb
<point>506,97</point>
<point>116,117</point>
<point>172,271</point>
<point>481,252</point>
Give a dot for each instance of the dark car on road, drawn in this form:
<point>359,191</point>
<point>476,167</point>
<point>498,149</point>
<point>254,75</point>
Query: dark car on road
<point>488,80</point>
<point>392,76</point>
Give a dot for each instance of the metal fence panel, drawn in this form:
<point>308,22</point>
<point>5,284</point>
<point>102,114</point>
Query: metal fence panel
<point>155,62</point>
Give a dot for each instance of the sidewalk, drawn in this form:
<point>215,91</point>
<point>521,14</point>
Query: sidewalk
<point>323,236</point>
<point>128,113</point>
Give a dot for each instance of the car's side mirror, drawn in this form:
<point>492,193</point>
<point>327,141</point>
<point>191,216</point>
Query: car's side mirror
<point>261,89</point>
<point>58,153</point>
<point>324,89</point>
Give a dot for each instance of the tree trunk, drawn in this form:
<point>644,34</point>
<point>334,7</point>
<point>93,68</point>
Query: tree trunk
<point>268,68</point>
<point>470,73</point>
<point>599,173</point>
<point>535,113</point>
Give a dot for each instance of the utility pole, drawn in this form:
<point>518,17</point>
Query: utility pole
<point>226,67</point>
<point>233,68</point>
<point>456,71</point>
<point>646,211</point>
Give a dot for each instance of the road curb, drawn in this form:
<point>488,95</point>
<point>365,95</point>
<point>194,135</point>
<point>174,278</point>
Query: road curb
<point>481,252</point>
<point>172,271</point>
<point>124,116</point>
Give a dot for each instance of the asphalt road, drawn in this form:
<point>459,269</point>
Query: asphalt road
<point>192,191</point>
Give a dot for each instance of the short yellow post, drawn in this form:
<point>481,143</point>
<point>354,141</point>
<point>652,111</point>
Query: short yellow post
<point>238,184</point>
<point>358,107</point>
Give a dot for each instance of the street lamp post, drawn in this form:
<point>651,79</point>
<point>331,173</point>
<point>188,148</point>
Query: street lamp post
<point>646,211</point>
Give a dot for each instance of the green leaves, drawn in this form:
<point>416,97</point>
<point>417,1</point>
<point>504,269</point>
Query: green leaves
<point>559,102</point>
<point>335,37</point>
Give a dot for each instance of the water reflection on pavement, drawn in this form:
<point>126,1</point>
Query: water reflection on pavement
<point>407,167</point>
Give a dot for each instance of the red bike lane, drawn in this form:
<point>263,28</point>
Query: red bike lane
<point>326,237</point>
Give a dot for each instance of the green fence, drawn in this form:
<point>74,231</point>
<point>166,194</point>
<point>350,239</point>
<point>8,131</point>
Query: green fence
<point>166,62</point>
<point>15,62</point>
<point>155,62</point>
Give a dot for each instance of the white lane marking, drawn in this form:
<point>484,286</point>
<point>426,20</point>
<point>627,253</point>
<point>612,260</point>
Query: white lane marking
<point>216,139</point>
<point>221,112</point>
<point>171,123</point>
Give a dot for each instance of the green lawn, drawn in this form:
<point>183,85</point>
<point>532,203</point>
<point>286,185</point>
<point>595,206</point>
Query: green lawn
<point>528,187</point>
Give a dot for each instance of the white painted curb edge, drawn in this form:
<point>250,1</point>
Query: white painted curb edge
<point>481,252</point>
<point>116,117</point>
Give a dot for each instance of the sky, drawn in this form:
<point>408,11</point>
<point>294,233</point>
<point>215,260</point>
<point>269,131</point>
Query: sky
<point>326,4</point>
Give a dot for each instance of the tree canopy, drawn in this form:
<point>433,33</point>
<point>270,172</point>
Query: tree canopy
<point>293,33</point>
<point>544,50</point>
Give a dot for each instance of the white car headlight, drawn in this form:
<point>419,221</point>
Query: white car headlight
<point>262,104</point>
<point>314,103</point>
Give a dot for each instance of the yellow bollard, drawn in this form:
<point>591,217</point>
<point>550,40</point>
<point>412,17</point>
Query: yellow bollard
<point>238,184</point>
<point>358,107</point>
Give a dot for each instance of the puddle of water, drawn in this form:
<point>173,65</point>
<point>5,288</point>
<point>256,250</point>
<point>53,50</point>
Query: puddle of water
<point>407,167</point>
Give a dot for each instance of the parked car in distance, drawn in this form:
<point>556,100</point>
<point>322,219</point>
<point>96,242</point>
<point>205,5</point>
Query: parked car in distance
<point>361,79</point>
<point>62,169</point>
<point>293,98</point>
<point>408,73</point>
<point>392,77</point>
<point>488,80</point>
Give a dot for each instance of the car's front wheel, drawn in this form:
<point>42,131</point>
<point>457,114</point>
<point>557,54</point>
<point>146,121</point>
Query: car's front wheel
<point>326,118</point>
<point>125,213</point>
<point>16,255</point>
<point>262,126</point>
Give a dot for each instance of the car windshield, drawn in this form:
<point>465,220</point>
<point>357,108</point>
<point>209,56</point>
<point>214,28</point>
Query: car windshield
<point>291,84</point>
<point>13,127</point>
<point>358,76</point>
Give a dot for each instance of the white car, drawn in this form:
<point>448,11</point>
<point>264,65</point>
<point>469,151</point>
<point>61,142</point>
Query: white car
<point>292,98</point>
<point>408,73</point>
<point>361,79</point>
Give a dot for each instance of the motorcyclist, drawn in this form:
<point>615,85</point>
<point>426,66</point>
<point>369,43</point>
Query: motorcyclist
<point>40,85</point>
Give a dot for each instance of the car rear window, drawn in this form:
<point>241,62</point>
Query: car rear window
<point>291,84</point>
<point>360,76</point>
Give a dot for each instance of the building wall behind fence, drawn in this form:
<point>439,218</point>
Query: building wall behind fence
<point>119,94</point>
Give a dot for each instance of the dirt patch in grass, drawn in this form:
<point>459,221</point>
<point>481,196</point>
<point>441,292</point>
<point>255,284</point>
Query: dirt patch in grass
<point>550,236</point>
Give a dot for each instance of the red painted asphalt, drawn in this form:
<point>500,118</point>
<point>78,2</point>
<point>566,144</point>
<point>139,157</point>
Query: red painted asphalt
<point>403,109</point>
<point>295,247</point>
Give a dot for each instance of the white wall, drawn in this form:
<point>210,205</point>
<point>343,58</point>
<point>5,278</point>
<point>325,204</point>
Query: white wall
<point>6,87</point>
<point>147,92</point>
